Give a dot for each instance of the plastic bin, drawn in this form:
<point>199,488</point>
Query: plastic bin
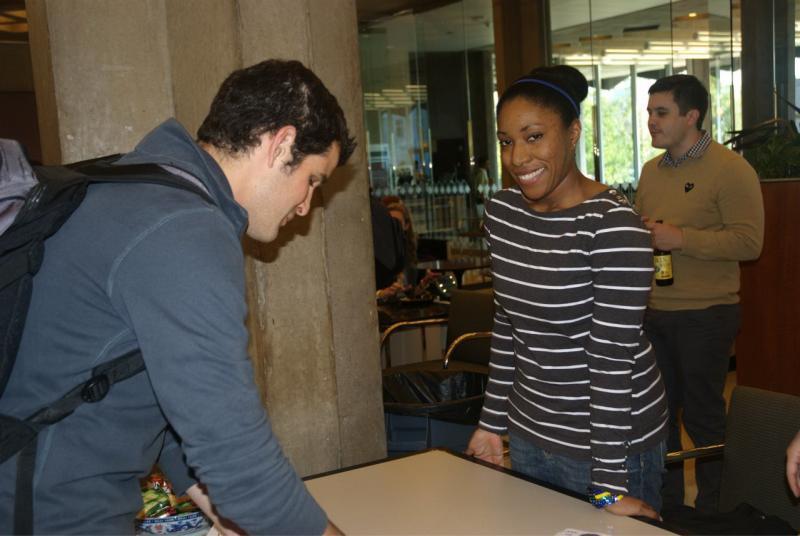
<point>426,408</point>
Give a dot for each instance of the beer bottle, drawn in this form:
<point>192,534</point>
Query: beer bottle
<point>662,260</point>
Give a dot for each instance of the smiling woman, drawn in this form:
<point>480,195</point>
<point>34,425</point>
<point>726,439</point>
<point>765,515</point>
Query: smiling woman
<point>538,128</point>
<point>573,381</point>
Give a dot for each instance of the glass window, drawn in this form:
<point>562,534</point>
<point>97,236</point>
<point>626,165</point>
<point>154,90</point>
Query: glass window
<point>429,95</point>
<point>623,52</point>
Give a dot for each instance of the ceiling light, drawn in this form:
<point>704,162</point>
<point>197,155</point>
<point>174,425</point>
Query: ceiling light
<point>669,44</point>
<point>693,16</point>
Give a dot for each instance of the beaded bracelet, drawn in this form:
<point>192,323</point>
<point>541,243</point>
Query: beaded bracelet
<point>601,498</point>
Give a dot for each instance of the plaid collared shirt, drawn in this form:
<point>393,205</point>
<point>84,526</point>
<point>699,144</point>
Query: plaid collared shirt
<point>696,151</point>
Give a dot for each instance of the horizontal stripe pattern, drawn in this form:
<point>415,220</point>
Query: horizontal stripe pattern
<point>571,370</point>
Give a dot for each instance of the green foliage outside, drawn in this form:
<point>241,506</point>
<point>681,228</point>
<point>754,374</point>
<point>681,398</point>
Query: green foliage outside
<point>617,138</point>
<point>617,134</point>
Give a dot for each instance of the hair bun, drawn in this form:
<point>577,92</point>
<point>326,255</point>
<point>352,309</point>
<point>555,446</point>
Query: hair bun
<point>566,77</point>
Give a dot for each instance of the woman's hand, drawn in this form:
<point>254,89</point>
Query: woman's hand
<point>631,506</point>
<point>486,446</point>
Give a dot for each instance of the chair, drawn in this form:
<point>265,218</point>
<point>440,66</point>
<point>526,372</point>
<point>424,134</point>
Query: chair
<point>469,327</point>
<point>426,406</point>
<point>759,426</point>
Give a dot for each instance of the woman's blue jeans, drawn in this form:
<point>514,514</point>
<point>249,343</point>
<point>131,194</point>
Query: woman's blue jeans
<point>644,469</point>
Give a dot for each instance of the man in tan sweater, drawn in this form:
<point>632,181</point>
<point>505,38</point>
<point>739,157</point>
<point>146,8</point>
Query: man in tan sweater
<point>709,200</point>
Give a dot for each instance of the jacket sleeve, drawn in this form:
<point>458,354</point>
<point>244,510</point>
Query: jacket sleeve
<point>181,289</point>
<point>173,463</point>
<point>741,209</point>
<point>622,263</point>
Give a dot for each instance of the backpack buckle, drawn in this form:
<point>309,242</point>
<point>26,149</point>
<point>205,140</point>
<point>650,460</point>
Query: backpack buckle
<point>95,389</point>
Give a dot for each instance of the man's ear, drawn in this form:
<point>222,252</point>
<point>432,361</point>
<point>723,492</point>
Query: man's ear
<point>279,146</point>
<point>692,115</point>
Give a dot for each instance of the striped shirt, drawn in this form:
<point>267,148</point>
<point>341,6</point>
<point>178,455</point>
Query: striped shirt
<point>571,370</point>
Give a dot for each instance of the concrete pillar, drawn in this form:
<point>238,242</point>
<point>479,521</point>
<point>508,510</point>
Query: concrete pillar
<point>319,323</point>
<point>107,71</point>
<point>101,74</point>
<point>203,49</point>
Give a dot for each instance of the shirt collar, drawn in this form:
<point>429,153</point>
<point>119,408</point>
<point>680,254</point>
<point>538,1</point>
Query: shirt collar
<point>695,151</point>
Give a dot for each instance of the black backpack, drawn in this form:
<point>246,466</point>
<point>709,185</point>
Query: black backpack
<point>34,204</point>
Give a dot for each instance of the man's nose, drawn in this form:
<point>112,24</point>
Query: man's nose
<point>305,206</point>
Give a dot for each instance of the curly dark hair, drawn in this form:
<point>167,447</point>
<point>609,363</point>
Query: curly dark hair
<point>687,92</point>
<point>272,94</point>
<point>553,80</point>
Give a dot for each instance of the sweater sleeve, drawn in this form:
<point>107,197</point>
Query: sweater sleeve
<point>494,417</point>
<point>622,264</point>
<point>741,211</point>
<point>180,287</point>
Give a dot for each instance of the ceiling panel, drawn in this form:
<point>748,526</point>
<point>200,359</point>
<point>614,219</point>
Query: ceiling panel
<point>566,13</point>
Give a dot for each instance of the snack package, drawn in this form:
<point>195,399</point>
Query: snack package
<point>159,499</point>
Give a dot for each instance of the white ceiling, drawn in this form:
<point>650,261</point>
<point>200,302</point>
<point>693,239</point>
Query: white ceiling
<point>566,13</point>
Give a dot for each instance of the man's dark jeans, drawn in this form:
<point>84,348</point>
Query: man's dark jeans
<point>693,349</point>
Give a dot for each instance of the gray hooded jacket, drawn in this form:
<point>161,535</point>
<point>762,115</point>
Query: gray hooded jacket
<point>156,268</point>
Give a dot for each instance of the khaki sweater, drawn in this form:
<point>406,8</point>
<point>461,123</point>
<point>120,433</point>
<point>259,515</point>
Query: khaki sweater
<point>716,201</point>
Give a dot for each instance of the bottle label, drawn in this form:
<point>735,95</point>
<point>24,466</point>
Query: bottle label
<point>663,266</point>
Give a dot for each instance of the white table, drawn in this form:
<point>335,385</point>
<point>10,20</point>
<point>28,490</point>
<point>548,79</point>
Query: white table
<point>438,492</point>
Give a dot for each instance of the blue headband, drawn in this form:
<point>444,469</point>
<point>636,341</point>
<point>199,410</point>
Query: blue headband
<point>554,87</point>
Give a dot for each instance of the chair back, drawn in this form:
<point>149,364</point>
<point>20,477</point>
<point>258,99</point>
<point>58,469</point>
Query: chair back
<point>471,311</point>
<point>760,425</point>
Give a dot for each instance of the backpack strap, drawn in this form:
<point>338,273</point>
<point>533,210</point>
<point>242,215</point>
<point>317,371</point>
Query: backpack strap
<point>71,183</point>
<point>21,435</point>
<point>103,170</point>
<point>23,494</point>
<point>92,390</point>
